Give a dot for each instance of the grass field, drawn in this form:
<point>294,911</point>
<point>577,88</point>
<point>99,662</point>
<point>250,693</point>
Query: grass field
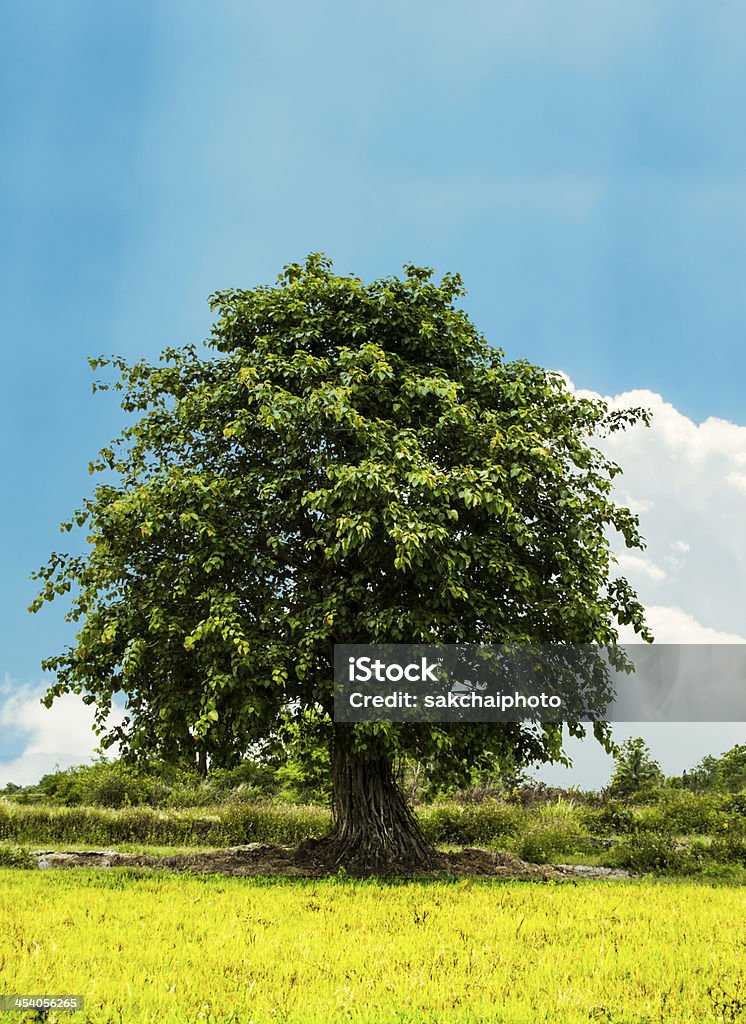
<point>210,950</point>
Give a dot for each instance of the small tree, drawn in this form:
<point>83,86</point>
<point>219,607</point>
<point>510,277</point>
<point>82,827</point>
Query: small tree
<point>350,463</point>
<point>704,775</point>
<point>731,769</point>
<point>635,769</point>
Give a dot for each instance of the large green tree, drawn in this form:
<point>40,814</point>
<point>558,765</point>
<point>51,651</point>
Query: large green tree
<point>345,462</point>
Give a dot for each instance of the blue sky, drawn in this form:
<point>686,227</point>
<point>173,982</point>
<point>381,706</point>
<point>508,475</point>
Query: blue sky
<point>582,165</point>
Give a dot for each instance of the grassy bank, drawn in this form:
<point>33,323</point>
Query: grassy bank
<point>682,836</point>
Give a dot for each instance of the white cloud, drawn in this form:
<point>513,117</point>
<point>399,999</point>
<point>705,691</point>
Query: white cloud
<point>637,505</point>
<point>688,481</point>
<point>685,478</point>
<point>675,626</point>
<point>636,564</point>
<point>27,769</point>
<point>737,480</point>
<point>61,735</point>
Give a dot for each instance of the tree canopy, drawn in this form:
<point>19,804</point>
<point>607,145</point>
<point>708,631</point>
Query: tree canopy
<point>343,463</point>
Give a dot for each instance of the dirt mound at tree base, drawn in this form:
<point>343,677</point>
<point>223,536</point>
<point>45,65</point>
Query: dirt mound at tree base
<point>266,859</point>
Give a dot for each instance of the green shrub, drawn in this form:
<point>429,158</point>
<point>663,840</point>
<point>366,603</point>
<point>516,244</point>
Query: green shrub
<point>729,849</point>
<point>102,783</point>
<point>564,813</point>
<point>611,819</point>
<point>469,824</point>
<point>547,843</point>
<point>540,846</point>
<point>681,812</point>
<point>735,804</point>
<point>12,856</point>
<point>655,852</point>
<point>232,824</point>
<point>118,784</point>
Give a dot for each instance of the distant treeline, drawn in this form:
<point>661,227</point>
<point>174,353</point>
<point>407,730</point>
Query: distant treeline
<point>303,778</point>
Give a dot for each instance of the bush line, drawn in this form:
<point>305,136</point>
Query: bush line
<point>679,836</point>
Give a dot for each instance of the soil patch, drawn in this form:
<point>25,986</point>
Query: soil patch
<point>265,859</point>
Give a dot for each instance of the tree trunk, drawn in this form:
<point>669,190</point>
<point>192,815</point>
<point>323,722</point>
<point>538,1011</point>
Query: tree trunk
<point>375,832</point>
<point>202,763</point>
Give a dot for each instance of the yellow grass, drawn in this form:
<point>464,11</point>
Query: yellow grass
<point>167,948</point>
